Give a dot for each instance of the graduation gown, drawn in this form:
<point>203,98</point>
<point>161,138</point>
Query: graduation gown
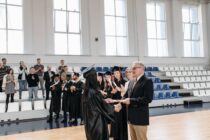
<point>75,100</point>
<point>96,113</point>
<point>119,130</point>
<point>55,105</point>
<point>65,98</point>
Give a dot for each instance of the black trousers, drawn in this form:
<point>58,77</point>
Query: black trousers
<point>1,81</point>
<point>47,87</point>
<point>8,96</point>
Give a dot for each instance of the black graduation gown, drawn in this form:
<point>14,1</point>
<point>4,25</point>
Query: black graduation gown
<point>75,107</point>
<point>96,113</point>
<point>119,130</point>
<point>65,98</point>
<point>55,105</point>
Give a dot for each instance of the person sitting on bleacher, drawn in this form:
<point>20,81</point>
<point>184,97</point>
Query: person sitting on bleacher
<point>32,80</point>
<point>55,104</point>
<point>9,83</point>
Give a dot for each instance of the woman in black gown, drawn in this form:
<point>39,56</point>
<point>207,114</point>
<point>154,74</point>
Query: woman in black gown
<point>96,111</point>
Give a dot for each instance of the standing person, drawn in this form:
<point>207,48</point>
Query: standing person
<point>4,61</point>
<point>3,71</point>
<point>40,72</point>
<point>9,84</point>
<point>48,78</point>
<point>129,76</point>
<point>138,102</point>
<point>96,111</point>
<point>55,104</point>
<point>33,81</point>
<point>22,74</point>
<point>61,67</point>
<point>76,89</point>
<point>65,97</point>
<point>119,130</point>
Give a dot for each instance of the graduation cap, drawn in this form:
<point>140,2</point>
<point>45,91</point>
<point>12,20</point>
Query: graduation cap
<point>100,74</point>
<point>108,73</point>
<point>89,71</point>
<point>116,68</point>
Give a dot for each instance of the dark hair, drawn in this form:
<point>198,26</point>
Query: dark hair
<point>8,71</point>
<point>90,83</point>
<point>102,85</point>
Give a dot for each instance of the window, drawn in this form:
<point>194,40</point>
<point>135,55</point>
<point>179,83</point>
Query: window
<point>67,29</point>
<point>116,27</point>
<point>191,32</point>
<point>156,29</point>
<point>11,27</point>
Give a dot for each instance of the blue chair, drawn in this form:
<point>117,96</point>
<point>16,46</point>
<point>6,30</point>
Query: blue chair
<point>148,74</point>
<point>155,96</point>
<point>157,80</point>
<point>155,69</point>
<point>148,68</point>
<point>98,69</point>
<point>166,87</point>
<point>168,95</point>
<point>158,87</point>
<point>160,95</point>
<point>105,69</point>
<point>175,94</point>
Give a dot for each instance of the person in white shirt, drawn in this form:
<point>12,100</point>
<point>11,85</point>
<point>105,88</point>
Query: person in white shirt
<point>22,74</point>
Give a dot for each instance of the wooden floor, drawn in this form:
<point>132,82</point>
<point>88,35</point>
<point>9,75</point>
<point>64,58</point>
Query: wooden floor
<point>187,126</point>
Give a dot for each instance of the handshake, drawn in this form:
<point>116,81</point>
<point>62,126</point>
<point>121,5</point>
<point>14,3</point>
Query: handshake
<point>123,101</point>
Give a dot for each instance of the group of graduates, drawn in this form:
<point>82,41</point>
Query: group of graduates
<point>69,88</point>
<point>111,85</point>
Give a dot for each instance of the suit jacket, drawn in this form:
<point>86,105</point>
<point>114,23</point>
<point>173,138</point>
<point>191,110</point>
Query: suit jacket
<point>47,77</point>
<point>140,96</point>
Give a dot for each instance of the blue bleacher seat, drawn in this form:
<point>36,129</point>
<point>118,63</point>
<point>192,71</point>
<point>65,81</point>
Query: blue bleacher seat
<point>157,80</point>
<point>158,86</point>
<point>148,74</point>
<point>168,95</point>
<point>148,68</point>
<point>175,94</point>
<point>155,69</point>
<point>99,69</point>
<point>160,95</point>
<point>105,69</point>
<point>166,87</point>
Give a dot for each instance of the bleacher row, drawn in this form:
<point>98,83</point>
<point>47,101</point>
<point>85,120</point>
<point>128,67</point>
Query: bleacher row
<point>188,73</point>
<point>201,93</point>
<point>181,68</point>
<point>158,95</point>
<point>25,106</point>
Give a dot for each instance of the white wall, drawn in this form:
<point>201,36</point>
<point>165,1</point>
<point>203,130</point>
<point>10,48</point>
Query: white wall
<point>38,34</point>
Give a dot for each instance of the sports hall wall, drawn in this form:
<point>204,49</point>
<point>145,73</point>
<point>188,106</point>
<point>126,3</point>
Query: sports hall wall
<point>39,40</point>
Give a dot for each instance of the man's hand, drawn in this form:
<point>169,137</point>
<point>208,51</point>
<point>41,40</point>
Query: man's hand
<point>126,101</point>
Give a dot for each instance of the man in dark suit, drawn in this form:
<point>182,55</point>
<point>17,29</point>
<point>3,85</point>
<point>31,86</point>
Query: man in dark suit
<point>138,96</point>
<point>48,77</point>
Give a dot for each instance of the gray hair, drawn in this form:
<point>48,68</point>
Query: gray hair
<point>138,63</point>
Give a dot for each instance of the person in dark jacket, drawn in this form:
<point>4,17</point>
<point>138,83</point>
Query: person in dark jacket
<point>55,104</point>
<point>48,77</point>
<point>33,80</point>
<point>96,111</point>
<point>138,96</point>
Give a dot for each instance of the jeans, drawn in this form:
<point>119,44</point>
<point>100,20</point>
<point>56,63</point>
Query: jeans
<point>33,92</point>
<point>41,81</point>
<point>22,86</point>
